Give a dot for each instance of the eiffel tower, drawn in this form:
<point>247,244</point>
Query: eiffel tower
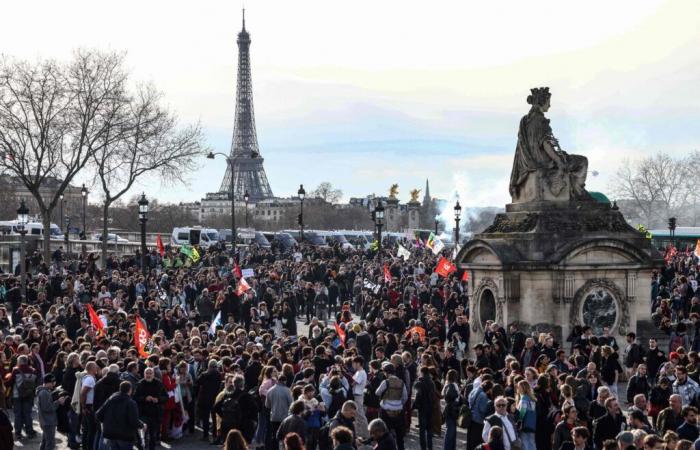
<point>248,172</point>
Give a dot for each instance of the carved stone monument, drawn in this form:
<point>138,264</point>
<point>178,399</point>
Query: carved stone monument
<point>414,210</point>
<point>556,258</point>
<point>392,216</point>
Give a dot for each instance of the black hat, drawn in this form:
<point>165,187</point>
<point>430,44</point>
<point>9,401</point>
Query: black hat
<point>49,378</point>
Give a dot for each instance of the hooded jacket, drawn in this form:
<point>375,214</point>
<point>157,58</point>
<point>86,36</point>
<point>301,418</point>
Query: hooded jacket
<point>119,417</point>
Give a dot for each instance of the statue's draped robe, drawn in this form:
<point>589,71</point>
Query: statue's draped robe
<point>530,156</point>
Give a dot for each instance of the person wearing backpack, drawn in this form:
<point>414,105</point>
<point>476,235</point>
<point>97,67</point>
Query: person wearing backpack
<point>236,408</point>
<point>23,380</point>
<point>425,396</point>
<point>452,407</point>
<point>394,395</point>
<point>527,414</point>
<point>313,411</point>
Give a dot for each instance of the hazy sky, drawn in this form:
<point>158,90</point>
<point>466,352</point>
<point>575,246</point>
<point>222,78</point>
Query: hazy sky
<point>367,93</point>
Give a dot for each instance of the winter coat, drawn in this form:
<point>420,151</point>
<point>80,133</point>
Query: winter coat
<point>119,416</point>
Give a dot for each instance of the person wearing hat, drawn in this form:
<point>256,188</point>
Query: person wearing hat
<point>47,412</point>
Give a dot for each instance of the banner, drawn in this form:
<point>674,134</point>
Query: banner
<point>341,334</point>
<point>237,269</point>
<point>445,267</point>
<point>248,273</point>
<point>403,253</point>
<point>141,337</point>
<point>387,274</point>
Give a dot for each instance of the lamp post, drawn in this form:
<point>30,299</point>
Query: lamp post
<point>84,192</point>
<point>246,197</point>
<point>301,193</point>
<point>66,235</point>
<point>437,222</point>
<point>229,160</point>
<point>458,214</point>
<point>61,209</point>
<point>143,218</point>
<point>379,222</point>
<point>672,230</point>
<point>22,219</point>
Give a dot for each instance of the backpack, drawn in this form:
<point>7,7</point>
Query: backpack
<point>464,419</point>
<point>231,409</point>
<point>676,341</point>
<point>26,385</point>
<point>337,401</point>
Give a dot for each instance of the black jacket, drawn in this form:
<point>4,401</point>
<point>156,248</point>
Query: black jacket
<point>425,394</point>
<point>209,384</point>
<point>119,417</point>
<point>637,385</point>
<point>108,385</point>
<point>153,388</point>
<point>607,427</point>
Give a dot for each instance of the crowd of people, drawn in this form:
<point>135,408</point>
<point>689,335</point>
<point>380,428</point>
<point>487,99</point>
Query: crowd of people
<point>123,357</point>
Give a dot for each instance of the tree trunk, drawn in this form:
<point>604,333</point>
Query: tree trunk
<point>46,222</point>
<point>105,225</point>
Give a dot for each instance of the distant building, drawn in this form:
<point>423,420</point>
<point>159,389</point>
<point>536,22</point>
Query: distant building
<point>194,208</point>
<point>14,191</point>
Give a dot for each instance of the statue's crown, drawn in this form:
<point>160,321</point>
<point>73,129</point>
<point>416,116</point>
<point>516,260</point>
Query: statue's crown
<point>538,96</point>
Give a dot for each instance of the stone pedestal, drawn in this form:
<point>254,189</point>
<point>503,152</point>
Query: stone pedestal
<point>550,266</point>
<point>413,215</point>
<point>392,216</point>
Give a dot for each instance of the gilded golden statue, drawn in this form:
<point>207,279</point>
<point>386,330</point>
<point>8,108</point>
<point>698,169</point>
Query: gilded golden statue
<point>414,195</point>
<point>393,190</point>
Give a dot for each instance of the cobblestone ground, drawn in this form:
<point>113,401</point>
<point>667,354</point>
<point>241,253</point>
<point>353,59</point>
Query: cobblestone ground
<point>190,442</point>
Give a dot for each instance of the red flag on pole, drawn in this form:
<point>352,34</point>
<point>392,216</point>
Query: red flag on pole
<point>237,269</point>
<point>242,287</point>
<point>141,337</point>
<point>387,274</point>
<point>161,247</point>
<point>445,267</point>
<point>341,333</point>
<point>95,320</point>
<point>465,276</point>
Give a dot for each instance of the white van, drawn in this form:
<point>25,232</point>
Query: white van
<point>11,227</point>
<point>204,237</point>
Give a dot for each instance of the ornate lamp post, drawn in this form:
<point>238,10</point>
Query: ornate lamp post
<point>246,197</point>
<point>67,235</point>
<point>379,222</point>
<point>458,214</point>
<point>672,230</point>
<point>211,155</point>
<point>301,193</point>
<point>437,222</point>
<point>22,219</point>
<point>143,218</point>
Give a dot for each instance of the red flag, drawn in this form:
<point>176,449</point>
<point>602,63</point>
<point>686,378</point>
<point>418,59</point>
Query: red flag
<point>387,274</point>
<point>237,269</point>
<point>141,337</point>
<point>95,320</point>
<point>670,253</point>
<point>445,267</point>
<point>341,333</point>
<point>161,247</point>
<point>242,287</point>
<point>465,276</point>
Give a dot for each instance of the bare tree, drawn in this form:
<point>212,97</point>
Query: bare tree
<point>146,141</point>
<point>326,192</point>
<point>654,188</point>
<point>54,116</point>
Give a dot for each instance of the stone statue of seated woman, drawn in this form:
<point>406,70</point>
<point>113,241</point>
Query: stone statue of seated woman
<point>541,169</point>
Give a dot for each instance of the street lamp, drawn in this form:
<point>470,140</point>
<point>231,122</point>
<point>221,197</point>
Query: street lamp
<point>672,230</point>
<point>61,209</point>
<point>229,160</point>
<point>143,218</point>
<point>379,222</point>
<point>437,222</point>
<point>458,214</point>
<point>67,235</point>
<point>22,219</point>
<point>84,192</point>
<point>246,197</point>
<point>301,193</point>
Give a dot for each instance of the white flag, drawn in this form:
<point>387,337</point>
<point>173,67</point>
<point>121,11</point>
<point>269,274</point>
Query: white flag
<point>214,324</point>
<point>403,253</point>
<point>438,245</point>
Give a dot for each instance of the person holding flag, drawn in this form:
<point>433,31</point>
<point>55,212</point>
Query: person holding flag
<point>96,321</point>
<point>142,338</point>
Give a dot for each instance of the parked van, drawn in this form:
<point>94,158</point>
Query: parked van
<point>310,237</point>
<point>336,237</point>
<point>11,227</point>
<point>358,238</point>
<point>204,237</point>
